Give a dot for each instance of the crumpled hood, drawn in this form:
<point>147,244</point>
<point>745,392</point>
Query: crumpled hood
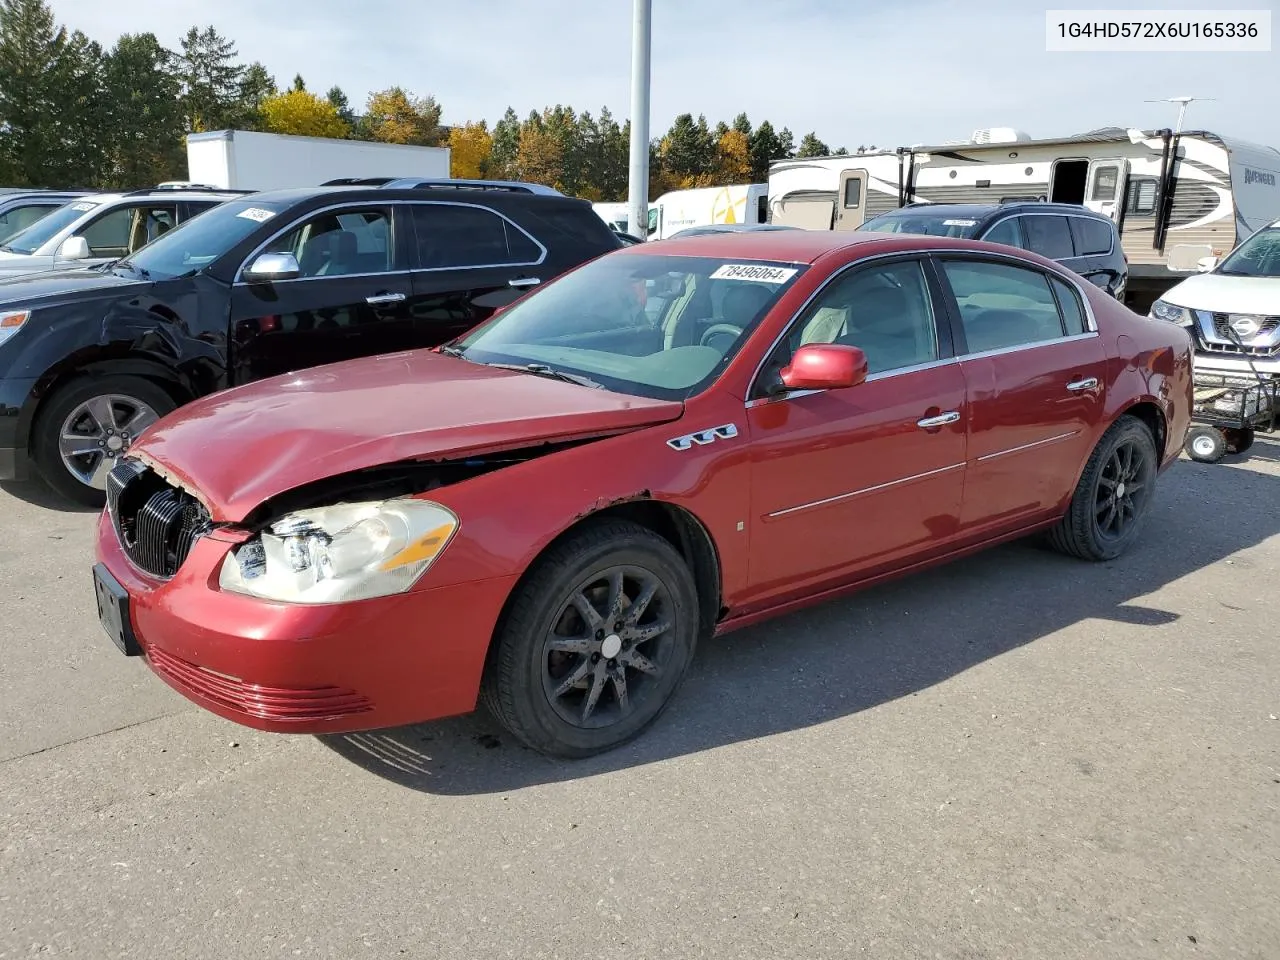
<point>1218,293</point>
<point>238,448</point>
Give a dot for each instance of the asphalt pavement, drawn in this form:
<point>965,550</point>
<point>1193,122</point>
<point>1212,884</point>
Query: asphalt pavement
<point>1015,757</point>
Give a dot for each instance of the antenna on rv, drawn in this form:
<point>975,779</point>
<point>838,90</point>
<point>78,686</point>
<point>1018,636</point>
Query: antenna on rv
<point>1182,107</point>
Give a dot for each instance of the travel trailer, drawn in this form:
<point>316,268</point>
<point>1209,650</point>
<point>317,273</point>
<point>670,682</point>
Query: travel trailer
<point>679,209</point>
<point>1176,198</point>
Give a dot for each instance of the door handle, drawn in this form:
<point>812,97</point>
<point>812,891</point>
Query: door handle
<point>939,421</point>
<point>382,298</point>
<point>1088,383</point>
<point>523,282</point>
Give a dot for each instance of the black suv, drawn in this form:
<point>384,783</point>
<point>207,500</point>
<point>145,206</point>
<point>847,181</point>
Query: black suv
<point>1079,239</point>
<point>258,286</point>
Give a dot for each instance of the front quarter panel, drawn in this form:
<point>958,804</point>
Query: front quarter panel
<point>510,516</point>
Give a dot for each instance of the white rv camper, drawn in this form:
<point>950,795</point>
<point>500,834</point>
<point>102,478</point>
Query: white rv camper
<point>1175,197</point>
<point>680,209</point>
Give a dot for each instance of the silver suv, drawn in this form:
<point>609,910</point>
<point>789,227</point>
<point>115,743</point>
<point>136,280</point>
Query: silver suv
<point>99,228</point>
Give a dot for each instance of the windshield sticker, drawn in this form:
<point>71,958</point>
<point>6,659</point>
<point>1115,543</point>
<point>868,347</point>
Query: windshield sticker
<point>753,271</point>
<point>256,213</point>
<point>959,223</point>
<point>84,206</point>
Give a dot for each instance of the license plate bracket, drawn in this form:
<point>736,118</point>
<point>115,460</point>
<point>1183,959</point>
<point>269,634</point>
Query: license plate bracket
<point>113,611</point>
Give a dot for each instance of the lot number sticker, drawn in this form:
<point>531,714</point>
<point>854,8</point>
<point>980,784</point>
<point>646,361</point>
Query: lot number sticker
<point>753,271</point>
<point>256,213</point>
<point>84,206</point>
<point>959,223</point>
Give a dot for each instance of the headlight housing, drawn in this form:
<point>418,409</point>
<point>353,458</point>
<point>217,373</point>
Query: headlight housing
<point>1164,310</point>
<point>350,551</point>
<point>11,322</point>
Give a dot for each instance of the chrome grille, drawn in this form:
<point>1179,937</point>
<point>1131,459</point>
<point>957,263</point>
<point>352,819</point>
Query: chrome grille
<point>157,523</point>
<point>1222,327</point>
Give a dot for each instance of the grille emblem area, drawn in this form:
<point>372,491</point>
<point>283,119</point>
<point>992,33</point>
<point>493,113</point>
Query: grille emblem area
<point>157,523</point>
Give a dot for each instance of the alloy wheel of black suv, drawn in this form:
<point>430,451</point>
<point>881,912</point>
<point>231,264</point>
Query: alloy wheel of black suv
<point>261,285</point>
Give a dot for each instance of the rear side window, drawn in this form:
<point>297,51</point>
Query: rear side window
<point>1006,232</point>
<point>1091,236</point>
<point>1069,302</point>
<point>1002,306</point>
<point>1048,236</point>
<point>452,236</point>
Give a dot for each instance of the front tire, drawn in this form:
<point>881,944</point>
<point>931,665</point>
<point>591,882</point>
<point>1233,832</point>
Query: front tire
<point>86,426</point>
<point>595,642</point>
<point>1113,495</point>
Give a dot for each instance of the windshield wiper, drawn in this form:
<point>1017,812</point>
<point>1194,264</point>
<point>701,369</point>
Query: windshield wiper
<point>144,273</point>
<point>542,370</point>
<point>451,351</point>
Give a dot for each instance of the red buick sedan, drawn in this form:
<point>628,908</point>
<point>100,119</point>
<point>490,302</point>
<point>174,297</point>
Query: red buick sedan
<point>670,442</point>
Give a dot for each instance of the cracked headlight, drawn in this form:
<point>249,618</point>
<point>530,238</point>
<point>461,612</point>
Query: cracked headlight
<point>352,551</point>
<point>1163,310</point>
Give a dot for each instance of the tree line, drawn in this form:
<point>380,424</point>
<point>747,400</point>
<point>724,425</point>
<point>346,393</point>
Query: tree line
<point>73,114</point>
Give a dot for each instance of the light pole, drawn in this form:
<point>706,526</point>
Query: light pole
<point>638,193</point>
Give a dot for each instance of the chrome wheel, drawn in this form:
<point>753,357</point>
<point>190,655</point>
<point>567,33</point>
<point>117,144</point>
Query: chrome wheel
<point>98,432</point>
<point>608,646</point>
<point>1204,446</point>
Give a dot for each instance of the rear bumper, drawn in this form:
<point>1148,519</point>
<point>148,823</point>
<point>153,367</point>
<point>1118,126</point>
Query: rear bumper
<point>14,395</point>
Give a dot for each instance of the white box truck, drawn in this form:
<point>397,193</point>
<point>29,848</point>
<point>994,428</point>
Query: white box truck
<point>245,160</point>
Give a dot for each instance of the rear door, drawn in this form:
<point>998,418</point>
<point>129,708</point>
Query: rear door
<point>468,261</point>
<point>1106,186</point>
<point>352,299</point>
<point>1035,371</point>
<point>851,203</point>
<point>1095,242</point>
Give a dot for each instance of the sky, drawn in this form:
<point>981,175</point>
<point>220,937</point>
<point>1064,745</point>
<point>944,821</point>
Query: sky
<point>856,72</point>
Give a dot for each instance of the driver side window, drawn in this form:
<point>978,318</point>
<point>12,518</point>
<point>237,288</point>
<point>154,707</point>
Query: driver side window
<point>886,311</point>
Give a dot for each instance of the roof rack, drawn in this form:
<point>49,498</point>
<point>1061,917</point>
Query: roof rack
<point>357,182</point>
<point>172,186</point>
<point>510,186</point>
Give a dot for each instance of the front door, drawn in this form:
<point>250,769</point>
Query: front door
<point>851,204</point>
<point>1106,186</point>
<point>350,300</point>
<point>1036,374</point>
<point>844,482</point>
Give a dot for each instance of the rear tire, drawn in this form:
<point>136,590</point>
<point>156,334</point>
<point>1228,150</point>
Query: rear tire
<point>562,677</point>
<point>71,420</point>
<point>1240,440</point>
<point>1205,444</point>
<point>1113,495</point>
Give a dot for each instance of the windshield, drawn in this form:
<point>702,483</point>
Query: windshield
<point>197,242</point>
<point>34,237</point>
<point>925,224</point>
<point>654,326</point>
<point>1259,256</point>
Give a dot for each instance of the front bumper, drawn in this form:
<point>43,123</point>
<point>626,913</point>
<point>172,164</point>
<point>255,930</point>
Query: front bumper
<point>1236,364</point>
<point>14,395</point>
<point>308,669</point>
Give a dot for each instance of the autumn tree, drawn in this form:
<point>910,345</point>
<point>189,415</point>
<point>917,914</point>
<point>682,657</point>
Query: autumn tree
<point>469,149</point>
<point>733,158</point>
<point>303,114</point>
<point>396,116</point>
<point>540,158</point>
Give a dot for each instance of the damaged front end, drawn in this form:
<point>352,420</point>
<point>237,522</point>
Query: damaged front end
<point>355,536</point>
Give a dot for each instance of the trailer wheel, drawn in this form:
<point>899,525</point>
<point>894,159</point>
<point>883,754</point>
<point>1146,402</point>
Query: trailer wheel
<point>1205,444</point>
<point>1238,441</point>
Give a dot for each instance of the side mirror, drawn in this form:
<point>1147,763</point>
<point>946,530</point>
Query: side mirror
<point>825,366</point>
<point>74,248</point>
<point>273,266</point>
<point>1205,264</point>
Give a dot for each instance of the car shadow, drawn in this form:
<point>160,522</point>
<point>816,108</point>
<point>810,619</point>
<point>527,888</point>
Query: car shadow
<point>39,494</point>
<point>851,655</point>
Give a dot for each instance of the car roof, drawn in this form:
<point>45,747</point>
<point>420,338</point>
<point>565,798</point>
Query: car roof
<point>361,193</point>
<point>785,246</point>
